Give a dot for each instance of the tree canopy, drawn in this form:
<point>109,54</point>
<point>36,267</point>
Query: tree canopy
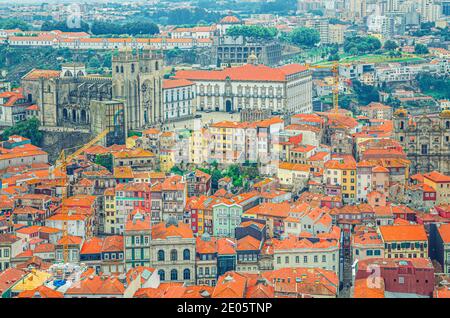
<point>361,45</point>
<point>9,24</point>
<point>435,84</point>
<point>421,49</point>
<point>28,129</point>
<point>105,161</point>
<point>305,37</point>
<point>365,93</point>
<point>130,28</point>
<point>253,31</point>
<point>390,45</point>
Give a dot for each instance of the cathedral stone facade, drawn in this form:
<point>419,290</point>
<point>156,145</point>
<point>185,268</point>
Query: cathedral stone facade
<point>425,140</point>
<point>64,97</point>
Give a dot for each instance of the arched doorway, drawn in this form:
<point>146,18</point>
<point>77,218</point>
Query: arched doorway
<point>228,106</point>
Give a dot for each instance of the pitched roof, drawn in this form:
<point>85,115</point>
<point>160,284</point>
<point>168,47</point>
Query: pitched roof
<point>97,285</point>
<point>444,232</point>
<point>175,83</point>
<point>41,292</point>
<point>247,72</point>
<point>230,285</point>
<point>248,243</point>
<point>436,176</point>
<point>413,232</point>
<point>8,277</point>
<point>92,246</point>
<point>163,231</point>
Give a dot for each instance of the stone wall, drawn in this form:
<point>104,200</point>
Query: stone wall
<point>55,141</point>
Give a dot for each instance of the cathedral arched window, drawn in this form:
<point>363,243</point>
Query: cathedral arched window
<point>447,124</point>
<point>121,69</point>
<point>132,68</point>
<point>402,125</point>
<point>156,66</point>
<point>117,69</point>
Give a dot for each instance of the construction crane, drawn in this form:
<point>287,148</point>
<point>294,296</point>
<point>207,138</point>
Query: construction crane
<point>335,70</point>
<point>62,163</point>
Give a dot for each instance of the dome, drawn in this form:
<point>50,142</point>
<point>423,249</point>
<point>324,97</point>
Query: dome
<point>401,112</point>
<point>445,113</point>
<point>230,19</point>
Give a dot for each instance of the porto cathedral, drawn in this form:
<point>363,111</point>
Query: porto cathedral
<point>65,97</point>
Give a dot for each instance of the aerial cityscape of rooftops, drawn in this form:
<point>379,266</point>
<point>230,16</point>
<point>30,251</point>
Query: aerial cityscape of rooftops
<point>225,149</point>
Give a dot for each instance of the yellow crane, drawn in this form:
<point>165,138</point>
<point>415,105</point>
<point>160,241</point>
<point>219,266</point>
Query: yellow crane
<point>62,163</point>
<point>335,70</point>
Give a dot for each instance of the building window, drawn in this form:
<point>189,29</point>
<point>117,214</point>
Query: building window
<point>161,256</point>
<point>162,275</point>
<point>186,255</point>
<point>173,255</point>
<point>187,274</point>
<point>424,149</point>
<point>173,274</point>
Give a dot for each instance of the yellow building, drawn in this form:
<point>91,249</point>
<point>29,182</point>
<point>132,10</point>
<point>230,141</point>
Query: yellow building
<point>404,241</point>
<point>348,181</point>
<point>342,173</point>
<point>199,142</point>
<point>166,160</point>
<point>131,142</point>
<point>227,141</point>
<point>31,281</point>
<point>110,211</point>
<point>440,183</point>
<point>167,151</point>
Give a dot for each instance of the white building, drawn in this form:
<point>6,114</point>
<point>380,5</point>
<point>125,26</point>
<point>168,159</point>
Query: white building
<point>179,99</point>
<point>286,89</point>
<point>293,252</point>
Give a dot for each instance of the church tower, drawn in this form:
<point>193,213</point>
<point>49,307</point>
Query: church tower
<point>137,79</point>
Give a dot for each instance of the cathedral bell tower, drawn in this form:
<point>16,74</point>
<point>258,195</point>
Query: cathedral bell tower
<point>137,80</point>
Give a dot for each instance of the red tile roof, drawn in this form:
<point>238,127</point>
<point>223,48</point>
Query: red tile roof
<point>396,233</point>
<point>248,72</point>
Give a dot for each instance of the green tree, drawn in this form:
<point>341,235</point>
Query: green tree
<point>28,129</point>
<point>361,45</point>
<point>105,161</point>
<point>305,37</point>
<point>420,49</point>
<point>9,24</point>
<point>177,170</point>
<point>253,31</point>
<point>365,93</point>
<point>390,45</point>
<point>94,62</point>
